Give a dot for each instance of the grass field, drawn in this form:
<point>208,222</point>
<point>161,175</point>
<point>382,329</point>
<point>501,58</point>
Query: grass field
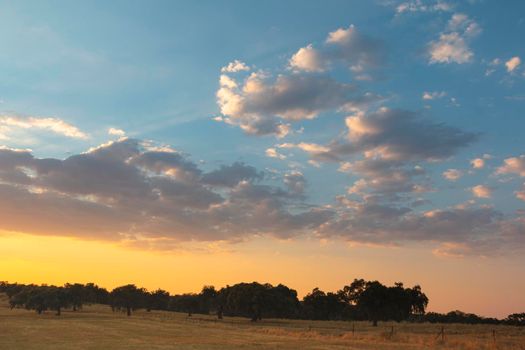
<point>96,327</point>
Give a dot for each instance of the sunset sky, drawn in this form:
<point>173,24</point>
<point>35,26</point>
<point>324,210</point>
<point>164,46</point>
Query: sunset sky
<point>175,144</point>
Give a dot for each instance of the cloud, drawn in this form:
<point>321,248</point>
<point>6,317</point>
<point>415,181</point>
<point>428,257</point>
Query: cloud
<point>272,153</point>
<point>268,104</point>
<point>462,230</point>
<point>452,45</point>
<point>235,66</point>
<point>478,230</point>
<point>58,126</point>
<point>296,182</point>
<point>385,180</point>
<point>391,144</point>
<point>521,194</point>
<point>400,135</point>
<point>512,63</point>
<point>452,174</point>
<point>307,147</point>
<point>232,175</point>
<point>478,163</point>
<point>481,191</point>
<point>461,22</point>
<point>450,48</point>
<point>262,106</point>
<point>358,51</point>
<point>116,132</point>
<point>347,46</point>
<point>129,191</point>
<point>122,190</point>
<point>433,95</point>
<point>308,59</point>
<point>422,6</point>
<point>495,62</point>
<point>513,165</point>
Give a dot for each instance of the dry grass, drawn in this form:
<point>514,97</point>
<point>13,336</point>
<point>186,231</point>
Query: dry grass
<point>96,327</point>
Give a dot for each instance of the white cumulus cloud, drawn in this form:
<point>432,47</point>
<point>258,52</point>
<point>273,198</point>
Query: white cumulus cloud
<point>116,132</point>
<point>235,66</point>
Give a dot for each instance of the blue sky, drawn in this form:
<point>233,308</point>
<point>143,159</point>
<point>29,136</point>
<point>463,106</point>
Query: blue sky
<point>365,117</point>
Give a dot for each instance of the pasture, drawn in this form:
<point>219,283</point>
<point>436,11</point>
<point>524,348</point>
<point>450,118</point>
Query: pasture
<point>97,327</point>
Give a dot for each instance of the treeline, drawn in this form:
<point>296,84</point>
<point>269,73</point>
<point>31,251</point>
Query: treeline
<point>516,319</point>
<point>361,300</point>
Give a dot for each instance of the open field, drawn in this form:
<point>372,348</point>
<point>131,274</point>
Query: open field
<point>96,327</point>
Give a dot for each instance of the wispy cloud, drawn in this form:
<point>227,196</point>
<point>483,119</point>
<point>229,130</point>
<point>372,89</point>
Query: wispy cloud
<point>433,95</point>
<point>55,125</point>
<point>415,6</point>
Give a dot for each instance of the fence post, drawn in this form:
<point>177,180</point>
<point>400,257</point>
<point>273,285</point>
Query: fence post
<point>442,334</point>
<point>353,329</point>
<point>494,335</point>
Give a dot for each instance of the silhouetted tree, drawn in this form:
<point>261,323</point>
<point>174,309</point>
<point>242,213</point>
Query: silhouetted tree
<point>350,294</point>
<point>94,294</point>
<point>128,297</point>
<point>319,305</point>
<point>56,298</point>
<point>207,299</point>
<point>76,295</point>
<point>374,301</point>
<point>517,319</point>
<point>255,301</point>
<point>158,300</point>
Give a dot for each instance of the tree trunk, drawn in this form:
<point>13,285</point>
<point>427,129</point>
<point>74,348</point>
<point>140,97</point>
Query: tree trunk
<point>58,311</point>
<point>128,311</point>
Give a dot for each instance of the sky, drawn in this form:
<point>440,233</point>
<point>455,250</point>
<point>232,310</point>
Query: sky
<point>175,144</point>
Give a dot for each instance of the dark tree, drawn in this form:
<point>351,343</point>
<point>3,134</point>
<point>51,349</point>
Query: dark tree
<point>374,301</point>
<point>76,295</point>
<point>350,294</point>
<point>128,297</point>
<point>56,298</point>
<point>188,303</point>
<point>255,301</point>
<point>516,319</point>
<point>207,299</point>
<point>319,305</point>
<point>94,294</point>
<point>158,300</point>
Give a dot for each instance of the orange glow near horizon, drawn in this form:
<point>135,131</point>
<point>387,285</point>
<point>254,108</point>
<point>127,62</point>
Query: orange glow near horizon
<point>300,264</point>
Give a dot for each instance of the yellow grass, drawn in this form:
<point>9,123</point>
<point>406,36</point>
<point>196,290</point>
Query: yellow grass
<point>96,327</point>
